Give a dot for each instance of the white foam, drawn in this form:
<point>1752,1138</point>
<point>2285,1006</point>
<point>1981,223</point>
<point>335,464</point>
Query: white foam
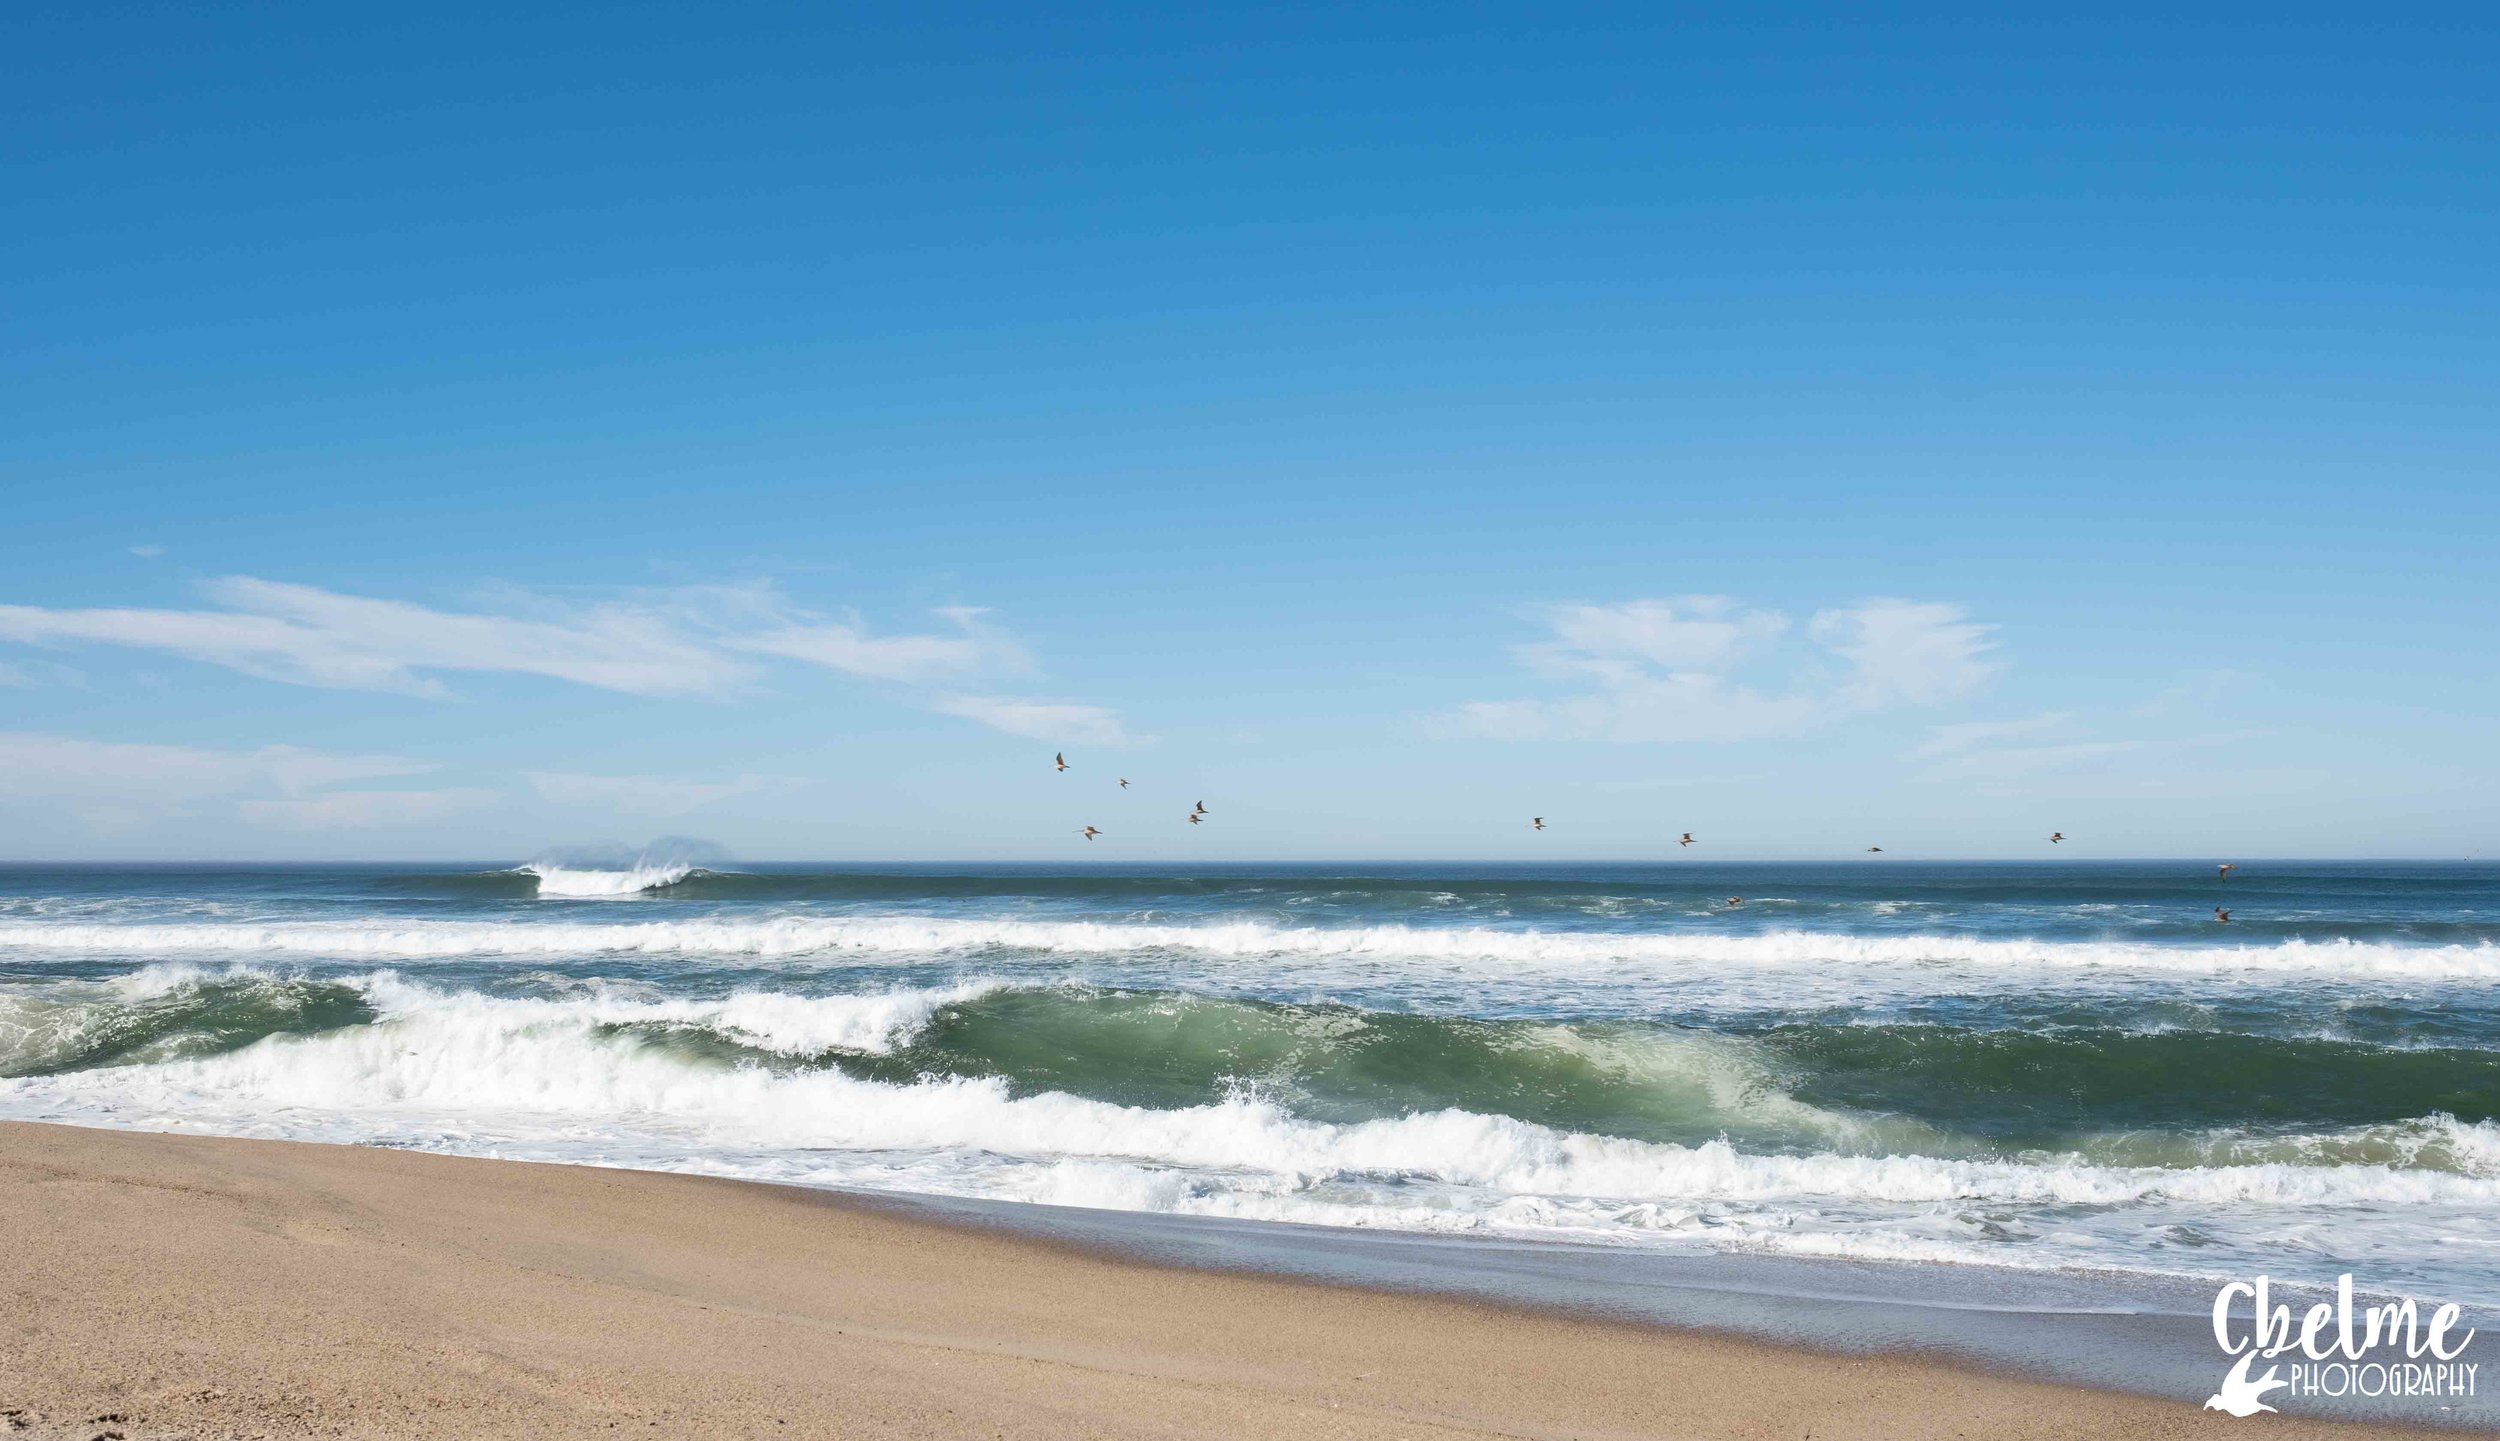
<point>563,882</point>
<point>773,1021</point>
<point>787,936</point>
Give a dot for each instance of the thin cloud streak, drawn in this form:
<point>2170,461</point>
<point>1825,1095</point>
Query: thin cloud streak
<point>363,810</point>
<point>37,765</point>
<point>848,647</point>
<point>692,642</point>
<point>2002,765</point>
<point>1615,642</point>
<point>1642,710</point>
<point>1665,670</point>
<point>2120,750</point>
<point>1963,736</point>
<point>305,636</point>
<point>121,786</point>
<point>1054,722</point>
<point>614,647</point>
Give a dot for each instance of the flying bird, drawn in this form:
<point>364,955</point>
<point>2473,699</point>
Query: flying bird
<point>1688,839</point>
<point>1062,759</point>
<point>2222,916</point>
<point>1537,824</point>
<point>2224,870</point>
<point>2056,836</point>
<point>1197,818</point>
<point>1089,833</point>
<point>1736,900</point>
<point>1201,810</point>
<point>1874,850</point>
<point>1124,782</point>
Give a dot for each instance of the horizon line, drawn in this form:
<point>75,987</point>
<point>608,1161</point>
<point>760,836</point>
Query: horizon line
<point>731,866</point>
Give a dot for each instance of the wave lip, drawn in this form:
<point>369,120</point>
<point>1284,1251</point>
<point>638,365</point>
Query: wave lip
<point>570,883</point>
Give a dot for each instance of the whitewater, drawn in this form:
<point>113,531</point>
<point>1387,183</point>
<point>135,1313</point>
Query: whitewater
<point>2046,1067</point>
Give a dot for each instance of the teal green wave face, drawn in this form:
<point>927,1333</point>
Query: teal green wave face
<point>1341,1063</point>
<point>2032,1088</point>
<point>50,1036</point>
<point>1851,1087</point>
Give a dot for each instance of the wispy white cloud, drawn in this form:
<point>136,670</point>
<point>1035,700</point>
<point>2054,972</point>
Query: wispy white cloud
<point>362,810</point>
<point>1689,706</point>
<point>256,645</point>
<point>33,764</point>
<point>638,795</point>
<point>1918,652</point>
<point>1697,633</point>
<point>147,552</point>
<point>1057,722</point>
<point>2198,696</point>
<point>688,641</point>
<point>308,636</point>
<point>1945,740</point>
<point>1668,670</point>
<point>636,649</point>
<point>972,648</point>
<point>1991,766</point>
<point>28,674</point>
<point>2106,751</point>
<point>113,785</point>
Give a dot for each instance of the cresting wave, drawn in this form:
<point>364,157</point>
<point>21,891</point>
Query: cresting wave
<point>910,935</point>
<point>2142,1097</point>
<point>172,1011</point>
<point>565,882</point>
<point>1167,1101</point>
<point>605,1057</point>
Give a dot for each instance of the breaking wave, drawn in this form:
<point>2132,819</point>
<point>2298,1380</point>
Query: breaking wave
<point>569,883</point>
<point>1172,1102</point>
<point>792,936</point>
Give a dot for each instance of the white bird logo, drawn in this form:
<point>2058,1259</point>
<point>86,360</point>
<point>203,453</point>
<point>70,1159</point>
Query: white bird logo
<point>2239,1394</point>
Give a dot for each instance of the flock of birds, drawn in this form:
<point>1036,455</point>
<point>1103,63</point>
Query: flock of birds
<point>1198,816</point>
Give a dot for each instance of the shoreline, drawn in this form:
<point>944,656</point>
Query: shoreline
<point>2141,1333</point>
<point>205,1287</point>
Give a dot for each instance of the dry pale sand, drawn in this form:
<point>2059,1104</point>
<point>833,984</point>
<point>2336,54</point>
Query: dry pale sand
<point>162,1286</point>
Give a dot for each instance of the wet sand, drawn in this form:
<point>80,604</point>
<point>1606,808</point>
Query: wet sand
<point>173,1286</point>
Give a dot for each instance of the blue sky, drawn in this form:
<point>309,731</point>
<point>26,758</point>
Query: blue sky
<point>462,434</point>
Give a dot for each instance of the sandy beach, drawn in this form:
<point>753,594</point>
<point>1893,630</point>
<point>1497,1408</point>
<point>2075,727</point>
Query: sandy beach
<point>174,1286</point>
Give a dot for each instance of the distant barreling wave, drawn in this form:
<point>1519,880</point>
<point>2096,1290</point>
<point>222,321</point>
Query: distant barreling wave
<point>607,873</point>
<point>571,883</point>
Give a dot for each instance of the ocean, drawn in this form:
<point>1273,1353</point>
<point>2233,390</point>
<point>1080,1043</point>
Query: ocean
<point>2053,1066</point>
